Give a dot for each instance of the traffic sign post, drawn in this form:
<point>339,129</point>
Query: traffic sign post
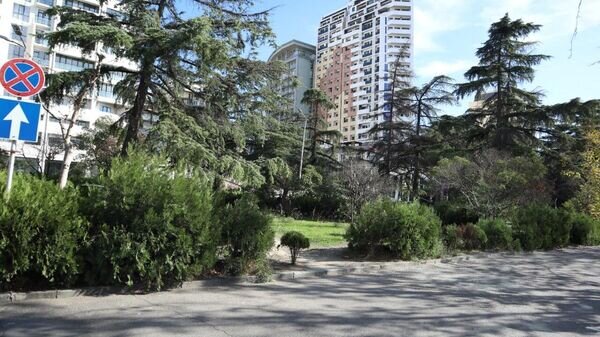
<point>19,120</point>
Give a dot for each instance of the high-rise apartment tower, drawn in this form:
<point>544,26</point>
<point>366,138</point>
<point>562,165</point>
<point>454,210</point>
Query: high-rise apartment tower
<point>357,46</point>
<point>298,59</point>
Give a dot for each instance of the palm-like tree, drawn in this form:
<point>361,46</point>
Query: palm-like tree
<point>319,104</point>
<point>422,103</point>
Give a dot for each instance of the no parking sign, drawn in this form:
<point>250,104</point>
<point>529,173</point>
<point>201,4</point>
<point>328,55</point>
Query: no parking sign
<point>22,77</point>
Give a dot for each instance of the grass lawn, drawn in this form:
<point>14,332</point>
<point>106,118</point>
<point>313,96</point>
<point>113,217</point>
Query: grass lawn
<point>320,234</point>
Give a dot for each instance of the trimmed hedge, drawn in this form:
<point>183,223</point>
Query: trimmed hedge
<point>407,231</point>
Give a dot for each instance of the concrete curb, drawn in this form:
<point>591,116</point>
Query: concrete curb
<point>12,297</point>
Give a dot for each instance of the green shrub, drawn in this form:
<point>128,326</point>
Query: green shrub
<point>541,227</point>
<point>295,241</point>
<point>498,233</point>
<point>40,234</point>
<point>585,231</point>
<point>152,225</point>
<point>454,214</point>
<point>473,237</point>
<point>246,233</point>
<point>452,238</point>
<point>407,231</point>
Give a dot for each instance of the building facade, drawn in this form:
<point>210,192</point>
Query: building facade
<point>298,59</point>
<point>22,23</point>
<point>357,46</point>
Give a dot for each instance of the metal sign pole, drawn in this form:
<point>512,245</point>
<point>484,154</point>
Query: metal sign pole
<point>11,166</point>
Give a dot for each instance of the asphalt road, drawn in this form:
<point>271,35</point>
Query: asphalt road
<point>542,294</point>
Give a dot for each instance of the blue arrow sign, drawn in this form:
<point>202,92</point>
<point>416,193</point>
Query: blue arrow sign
<point>19,120</point>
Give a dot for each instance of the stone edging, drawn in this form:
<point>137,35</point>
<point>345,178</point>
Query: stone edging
<point>11,297</point>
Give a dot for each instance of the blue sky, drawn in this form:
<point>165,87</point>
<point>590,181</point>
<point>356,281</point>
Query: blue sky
<point>448,32</point>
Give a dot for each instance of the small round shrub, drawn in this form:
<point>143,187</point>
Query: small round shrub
<point>498,233</point>
<point>295,241</point>
<point>541,227</point>
<point>41,234</point>
<point>585,231</point>
<point>407,231</point>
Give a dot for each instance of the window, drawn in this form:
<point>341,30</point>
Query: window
<point>46,2</point>
<point>105,90</point>
<point>82,5</point>
<point>40,39</point>
<point>71,63</point>
<point>83,124</point>
<point>116,14</point>
<point>105,108</point>
<point>43,18</point>
<point>21,12</point>
<point>41,57</point>
<point>16,51</point>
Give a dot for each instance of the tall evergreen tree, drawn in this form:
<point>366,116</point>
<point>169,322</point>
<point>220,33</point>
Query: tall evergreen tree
<point>319,136</point>
<point>198,75</point>
<point>506,60</point>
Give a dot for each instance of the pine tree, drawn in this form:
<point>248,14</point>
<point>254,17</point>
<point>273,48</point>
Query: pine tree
<point>199,76</point>
<point>506,60</point>
<point>319,136</point>
<point>422,103</point>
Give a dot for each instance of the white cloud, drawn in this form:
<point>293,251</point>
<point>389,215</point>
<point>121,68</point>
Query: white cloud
<point>452,69</point>
<point>433,18</point>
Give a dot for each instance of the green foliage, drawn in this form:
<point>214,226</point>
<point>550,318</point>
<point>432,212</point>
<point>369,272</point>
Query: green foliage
<point>585,231</point>
<point>452,213</point>
<point>152,224</point>
<point>41,234</point>
<point>541,227</point>
<point>506,60</point>
<point>246,233</point>
<point>492,183</point>
<point>320,234</point>
<point>451,238</point>
<point>407,231</point>
<point>474,237</point>
<point>498,233</point>
<point>296,242</point>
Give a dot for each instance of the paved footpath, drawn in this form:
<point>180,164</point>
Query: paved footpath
<point>541,294</point>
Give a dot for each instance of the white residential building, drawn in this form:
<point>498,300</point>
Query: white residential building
<point>299,59</point>
<point>22,21</point>
<point>357,45</point>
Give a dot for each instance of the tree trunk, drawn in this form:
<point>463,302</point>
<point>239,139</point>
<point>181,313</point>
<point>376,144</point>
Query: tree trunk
<point>417,167</point>
<point>136,112</point>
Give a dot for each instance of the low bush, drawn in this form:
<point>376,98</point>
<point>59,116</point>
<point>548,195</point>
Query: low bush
<point>407,231</point>
<point>152,225</point>
<point>452,239</point>
<point>296,242</point>
<point>246,234</point>
<point>473,237</point>
<point>41,234</point>
<point>585,230</point>
<point>454,214</point>
<point>541,227</point>
<point>498,233</point>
